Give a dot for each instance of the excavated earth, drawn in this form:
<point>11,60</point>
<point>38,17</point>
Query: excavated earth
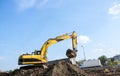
<point>63,68</point>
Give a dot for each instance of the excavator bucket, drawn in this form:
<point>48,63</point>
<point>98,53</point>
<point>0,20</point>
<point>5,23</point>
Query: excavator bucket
<point>71,53</point>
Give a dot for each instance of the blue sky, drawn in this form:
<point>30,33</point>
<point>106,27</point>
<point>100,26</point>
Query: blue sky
<point>26,24</point>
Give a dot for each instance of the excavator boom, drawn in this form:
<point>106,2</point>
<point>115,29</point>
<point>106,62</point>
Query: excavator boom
<point>52,41</point>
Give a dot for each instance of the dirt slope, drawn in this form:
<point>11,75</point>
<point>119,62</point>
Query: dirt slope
<point>62,68</point>
<point>65,69</point>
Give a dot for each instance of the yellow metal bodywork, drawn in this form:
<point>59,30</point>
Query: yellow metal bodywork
<point>41,57</point>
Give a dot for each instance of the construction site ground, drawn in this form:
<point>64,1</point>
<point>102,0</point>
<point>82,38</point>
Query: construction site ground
<point>63,68</point>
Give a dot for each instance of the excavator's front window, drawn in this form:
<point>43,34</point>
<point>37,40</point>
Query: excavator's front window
<point>36,52</point>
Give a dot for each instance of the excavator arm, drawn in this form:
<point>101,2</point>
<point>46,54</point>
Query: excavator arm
<point>74,40</point>
<point>52,41</point>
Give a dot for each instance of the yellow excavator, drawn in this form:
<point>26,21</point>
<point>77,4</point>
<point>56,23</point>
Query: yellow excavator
<point>40,56</point>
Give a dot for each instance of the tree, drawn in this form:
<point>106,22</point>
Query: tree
<point>112,62</point>
<point>103,60</point>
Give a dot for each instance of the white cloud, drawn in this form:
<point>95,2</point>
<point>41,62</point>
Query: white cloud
<point>114,10</point>
<point>25,4</point>
<point>28,4</point>
<point>83,39</point>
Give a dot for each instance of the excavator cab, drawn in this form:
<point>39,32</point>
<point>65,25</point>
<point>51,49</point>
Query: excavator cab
<point>36,52</point>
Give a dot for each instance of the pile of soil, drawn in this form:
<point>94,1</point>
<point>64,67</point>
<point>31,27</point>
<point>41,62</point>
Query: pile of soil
<point>104,71</point>
<point>62,68</point>
<point>36,71</point>
<point>4,74</point>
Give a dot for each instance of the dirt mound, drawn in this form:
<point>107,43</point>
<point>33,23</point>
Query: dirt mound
<point>104,71</point>
<point>4,74</point>
<point>61,68</point>
<point>35,71</point>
